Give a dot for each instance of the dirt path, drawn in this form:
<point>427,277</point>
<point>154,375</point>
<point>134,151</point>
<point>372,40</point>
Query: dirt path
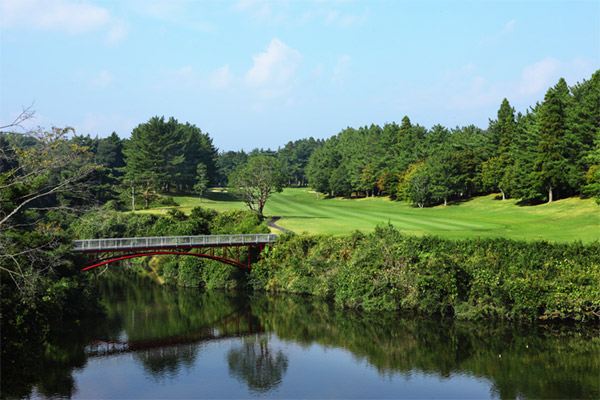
<point>271,224</point>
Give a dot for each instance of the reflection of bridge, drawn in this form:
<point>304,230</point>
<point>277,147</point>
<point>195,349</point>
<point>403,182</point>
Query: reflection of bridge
<point>227,245</point>
<point>228,327</point>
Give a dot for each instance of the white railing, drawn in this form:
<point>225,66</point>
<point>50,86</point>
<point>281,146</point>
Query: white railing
<point>172,241</point>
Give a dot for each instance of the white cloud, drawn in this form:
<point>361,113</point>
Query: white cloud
<point>334,17</point>
<point>466,89</point>
<point>340,71</point>
<point>221,78</point>
<point>539,76</point>
<point>273,71</point>
<point>117,32</point>
<point>509,27</point>
<point>160,9</point>
<point>318,71</point>
<point>72,17</point>
<point>180,13</point>
<point>476,92</point>
<point>259,9</point>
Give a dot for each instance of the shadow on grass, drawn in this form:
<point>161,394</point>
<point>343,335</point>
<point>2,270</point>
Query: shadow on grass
<point>303,217</point>
<point>458,202</point>
<point>220,196</point>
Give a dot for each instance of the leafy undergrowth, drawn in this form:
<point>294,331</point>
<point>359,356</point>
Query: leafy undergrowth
<point>466,279</point>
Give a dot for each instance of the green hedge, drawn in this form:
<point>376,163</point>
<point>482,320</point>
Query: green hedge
<point>466,279</point>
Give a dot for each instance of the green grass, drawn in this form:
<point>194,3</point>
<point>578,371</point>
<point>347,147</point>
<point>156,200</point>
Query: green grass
<point>564,220</point>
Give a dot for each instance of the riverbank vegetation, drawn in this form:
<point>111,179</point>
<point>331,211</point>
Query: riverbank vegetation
<point>471,279</point>
<point>42,189</point>
<point>464,279</point>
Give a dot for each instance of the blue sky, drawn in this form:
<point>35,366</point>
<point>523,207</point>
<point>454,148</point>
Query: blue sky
<point>258,73</point>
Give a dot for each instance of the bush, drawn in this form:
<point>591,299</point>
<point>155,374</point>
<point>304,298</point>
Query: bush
<point>468,279</point>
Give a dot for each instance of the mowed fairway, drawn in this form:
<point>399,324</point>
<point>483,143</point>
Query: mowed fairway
<point>564,220</point>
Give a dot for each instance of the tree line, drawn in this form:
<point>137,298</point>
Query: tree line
<point>552,151</point>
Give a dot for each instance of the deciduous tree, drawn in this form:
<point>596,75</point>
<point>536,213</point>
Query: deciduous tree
<point>255,181</point>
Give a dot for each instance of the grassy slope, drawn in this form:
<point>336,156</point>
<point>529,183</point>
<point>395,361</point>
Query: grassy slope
<point>563,220</point>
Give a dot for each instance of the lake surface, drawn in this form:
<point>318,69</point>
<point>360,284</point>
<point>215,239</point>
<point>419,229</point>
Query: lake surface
<point>160,342</point>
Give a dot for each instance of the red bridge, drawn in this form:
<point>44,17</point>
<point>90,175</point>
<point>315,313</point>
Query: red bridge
<point>223,248</point>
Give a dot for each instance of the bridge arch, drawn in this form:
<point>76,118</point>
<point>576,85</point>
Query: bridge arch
<point>175,245</point>
<point>224,260</point>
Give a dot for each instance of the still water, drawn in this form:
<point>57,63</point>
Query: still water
<point>159,342</point>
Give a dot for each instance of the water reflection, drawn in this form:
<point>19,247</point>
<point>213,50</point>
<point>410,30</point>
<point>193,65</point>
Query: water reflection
<point>172,335</point>
<point>253,362</point>
<point>166,363</point>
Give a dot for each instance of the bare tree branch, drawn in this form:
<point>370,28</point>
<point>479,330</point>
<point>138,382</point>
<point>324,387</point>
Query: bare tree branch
<point>26,114</point>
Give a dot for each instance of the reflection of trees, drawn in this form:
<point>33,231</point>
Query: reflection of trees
<point>521,361</point>
<point>527,361</point>
<point>254,363</point>
<point>166,362</point>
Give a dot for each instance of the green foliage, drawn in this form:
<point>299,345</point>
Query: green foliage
<point>552,163</point>
<point>238,222</point>
<point>164,154</point>
<point>542,155</point>
<point>255,181</point>
<point>470,279</point>
<point>39,283</point>
<point>592,180</point>
<point>187,271</point>
<point>294,159</point>
<point>201,179</point>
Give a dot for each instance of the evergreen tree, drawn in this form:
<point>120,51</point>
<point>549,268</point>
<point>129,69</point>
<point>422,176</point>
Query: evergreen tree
<point>584,123</point>
<point>197,149</point>
<point>154,155</point>
<point>110,153</point>
<point>552,164</point>
<point>339,182</point>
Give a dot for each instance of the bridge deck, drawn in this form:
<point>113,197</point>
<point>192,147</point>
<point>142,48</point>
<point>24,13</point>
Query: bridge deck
<point>172,242</point>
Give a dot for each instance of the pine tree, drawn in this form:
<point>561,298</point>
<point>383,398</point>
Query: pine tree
<point>552,164</point>
<point>153,156</point>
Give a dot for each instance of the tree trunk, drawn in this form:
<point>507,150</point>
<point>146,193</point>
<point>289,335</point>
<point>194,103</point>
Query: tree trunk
<point>445,202</point>
<point>503,195</point>
<point>133,198</point>
<point>549,194</point>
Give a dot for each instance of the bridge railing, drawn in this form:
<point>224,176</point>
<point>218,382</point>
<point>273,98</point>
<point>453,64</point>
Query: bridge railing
<point>172,242</point>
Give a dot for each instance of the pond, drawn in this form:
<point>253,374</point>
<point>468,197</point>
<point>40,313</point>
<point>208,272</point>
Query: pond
<point>161,342</point>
